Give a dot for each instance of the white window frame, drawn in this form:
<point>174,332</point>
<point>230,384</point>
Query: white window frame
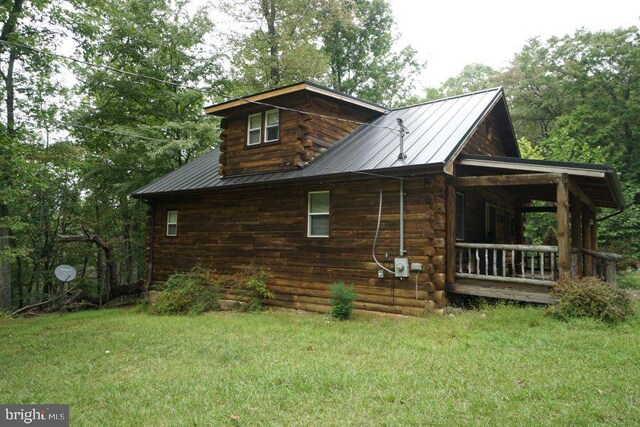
<point>172,223</point>
<point>463,216</point>
<point>312,214</point>
<point>267,126</point>
<point>250,129</point>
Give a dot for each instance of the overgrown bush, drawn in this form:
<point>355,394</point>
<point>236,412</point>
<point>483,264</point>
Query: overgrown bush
<point>590,297</point>
<point>201,290</point>
<point>188,293</point>
<point>342,297</point>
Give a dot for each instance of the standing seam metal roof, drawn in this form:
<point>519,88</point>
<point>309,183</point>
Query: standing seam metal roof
<point>436,130</point>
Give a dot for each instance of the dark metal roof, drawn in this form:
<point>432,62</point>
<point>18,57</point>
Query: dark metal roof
<point>436,131</point>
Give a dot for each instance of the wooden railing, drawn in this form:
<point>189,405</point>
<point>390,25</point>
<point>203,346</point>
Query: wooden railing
<point>603,265</point>
<point>530,264</point>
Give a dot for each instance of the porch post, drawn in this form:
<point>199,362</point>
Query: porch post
<point>594,231</point>
<point>576,233</point>
<point>451,232</point>
<point>586,240</point>
<point>562,216</point>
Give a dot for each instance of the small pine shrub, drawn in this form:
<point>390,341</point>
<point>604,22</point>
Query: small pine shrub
<point>187,293</point>
<point>342,297</point>
<point>591,297</point>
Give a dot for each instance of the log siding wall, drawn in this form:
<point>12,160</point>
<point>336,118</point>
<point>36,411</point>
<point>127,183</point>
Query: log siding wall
<point>229,230</point>
<point>492,137</point>
<point>302,136</point>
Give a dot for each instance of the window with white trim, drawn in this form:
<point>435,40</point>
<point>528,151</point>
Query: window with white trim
<point>254,129</point>
<point>271,125</point>
<point>318,214</point>
<point>172,223</point>
<point>459,216</point>
<point>263,127</point>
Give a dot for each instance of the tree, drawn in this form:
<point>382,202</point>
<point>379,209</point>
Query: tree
<point>472,78</point>
<point>156,123</point>
<point>349,45</point>
<point>278,44</point>
<point>22,71</point>
<point>359,40</point>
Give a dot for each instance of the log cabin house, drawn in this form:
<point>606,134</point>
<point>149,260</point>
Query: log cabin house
<point>410,205</point>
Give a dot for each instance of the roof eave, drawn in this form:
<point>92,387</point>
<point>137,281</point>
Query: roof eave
<point>261,97</point>
<point>387,173</point>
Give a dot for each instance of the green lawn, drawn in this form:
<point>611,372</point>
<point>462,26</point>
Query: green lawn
<point>629,279</point>
<point>504,365</point>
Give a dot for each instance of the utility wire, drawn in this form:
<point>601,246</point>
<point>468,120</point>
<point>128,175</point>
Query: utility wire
<point>185,86</point>
<point>130,135</point>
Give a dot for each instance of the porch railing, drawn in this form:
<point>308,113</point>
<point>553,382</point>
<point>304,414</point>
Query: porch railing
<point>530,264</point>
<point>603,265</point>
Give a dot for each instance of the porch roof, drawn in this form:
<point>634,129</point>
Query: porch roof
<point>598,182</point>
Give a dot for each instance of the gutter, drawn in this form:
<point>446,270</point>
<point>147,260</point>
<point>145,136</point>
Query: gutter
<point>611,215</point>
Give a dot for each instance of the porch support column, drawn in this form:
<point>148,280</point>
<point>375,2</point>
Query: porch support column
<point>586,240</point>
<point>451,232</point>
<point>562,216</point>
<point>594,231</point>
<point>576,232</point>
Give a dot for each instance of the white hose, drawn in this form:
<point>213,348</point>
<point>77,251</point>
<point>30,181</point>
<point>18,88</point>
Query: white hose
<point>375,239</point>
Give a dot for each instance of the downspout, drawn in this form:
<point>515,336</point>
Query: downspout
<point>402,217</point>
<point>401,156</point>
<point>611,215</point>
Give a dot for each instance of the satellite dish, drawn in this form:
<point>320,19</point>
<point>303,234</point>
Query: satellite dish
<point>65,273</point>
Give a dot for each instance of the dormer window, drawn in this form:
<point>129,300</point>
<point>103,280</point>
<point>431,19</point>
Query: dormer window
<point>272,125</point>
<point>263,127</point>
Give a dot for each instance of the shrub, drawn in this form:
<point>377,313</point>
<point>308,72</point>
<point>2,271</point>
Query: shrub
<point>258,292</point>
<point>590,297</point>
<point>342,297</point>
<point>187,293</point>
<point>201,290</point>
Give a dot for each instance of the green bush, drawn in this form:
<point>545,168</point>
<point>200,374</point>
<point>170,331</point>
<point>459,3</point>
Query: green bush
<point>201,290</point>
<point>257,289</point>
<point>342,297</point>
<point>187,293</point>
<point>590,297</point>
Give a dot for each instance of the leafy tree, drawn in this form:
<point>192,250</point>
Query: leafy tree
<point>349,45</point>
<point>472,78</point>
<point>278,44</point>
<point>359,41</point>
<point>156,124</point>
<point>24,73</point>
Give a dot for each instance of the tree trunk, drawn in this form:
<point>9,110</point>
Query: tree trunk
<point>269,14</point>
<point>8,28</point>
<point>106,249</point>
<point>19,284</point>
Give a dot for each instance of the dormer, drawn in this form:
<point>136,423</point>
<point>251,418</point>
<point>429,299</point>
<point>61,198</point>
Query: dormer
<point>285,128</point>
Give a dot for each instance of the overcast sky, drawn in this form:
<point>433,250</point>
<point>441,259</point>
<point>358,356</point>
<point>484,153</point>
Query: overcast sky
<point>449,34</point>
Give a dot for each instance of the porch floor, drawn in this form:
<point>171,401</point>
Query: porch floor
<point>503,290</point>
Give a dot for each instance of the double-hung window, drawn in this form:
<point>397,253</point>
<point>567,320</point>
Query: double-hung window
<point>263,127</point>
<point>272,126</point>
<point>318,214</point>
<point>254,129</point>
<point>172,223</point>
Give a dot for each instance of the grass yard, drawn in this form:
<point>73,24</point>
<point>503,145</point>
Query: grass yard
<point>504,365</point>
<point>629,279</point>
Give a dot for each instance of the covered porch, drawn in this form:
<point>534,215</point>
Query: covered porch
<point>499,263</point>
